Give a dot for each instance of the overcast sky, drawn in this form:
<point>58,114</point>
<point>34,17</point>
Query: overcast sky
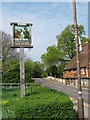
<point>48,18</point>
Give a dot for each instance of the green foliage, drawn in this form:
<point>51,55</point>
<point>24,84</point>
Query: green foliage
<point>37,70</point>
<point>57,56</point>
<point>50,110</point>
<point>44,74</point>
<point>39,103</point>
<point>28,70</point>
<point>52,56</point>
<point>54,60</point>
<point>11,71</point>
<point>66,40</point>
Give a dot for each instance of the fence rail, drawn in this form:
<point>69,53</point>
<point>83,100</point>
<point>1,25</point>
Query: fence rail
<point>12,85</point>
<point>85,82</point>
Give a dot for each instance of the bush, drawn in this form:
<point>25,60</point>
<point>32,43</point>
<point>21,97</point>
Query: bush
<point>63,111</point>
<point>44,74</point>
<point>39,103</point>
<point>14,94</point>
<point>11,71</point>
<point>44,103</point>
<point>28,70</point>
<point>36,71</point>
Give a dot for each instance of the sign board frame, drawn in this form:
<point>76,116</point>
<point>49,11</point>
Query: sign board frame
<point>21,35</point>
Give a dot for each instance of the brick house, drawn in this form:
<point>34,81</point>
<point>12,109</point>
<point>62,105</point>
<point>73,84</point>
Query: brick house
<point>70,70</point>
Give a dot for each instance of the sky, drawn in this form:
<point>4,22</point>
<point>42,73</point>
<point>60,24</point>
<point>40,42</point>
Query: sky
<point>49,19</point>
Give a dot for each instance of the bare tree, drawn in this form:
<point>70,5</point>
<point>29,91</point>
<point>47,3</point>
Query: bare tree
<point>6,52</point>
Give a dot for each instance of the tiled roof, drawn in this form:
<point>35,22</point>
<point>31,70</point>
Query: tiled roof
<point>84,60</point>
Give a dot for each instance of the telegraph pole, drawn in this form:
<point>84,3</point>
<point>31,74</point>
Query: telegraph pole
<point>80,99</point>
<point>22,72</point>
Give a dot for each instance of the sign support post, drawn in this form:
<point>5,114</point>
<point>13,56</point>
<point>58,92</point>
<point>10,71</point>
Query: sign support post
<point>22,72</point>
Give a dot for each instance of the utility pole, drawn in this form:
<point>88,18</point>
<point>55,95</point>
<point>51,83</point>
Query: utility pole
<point>80,99</point>
<point>22,72</point>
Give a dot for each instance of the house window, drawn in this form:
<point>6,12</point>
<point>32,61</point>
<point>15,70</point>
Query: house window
<point>82,71</point>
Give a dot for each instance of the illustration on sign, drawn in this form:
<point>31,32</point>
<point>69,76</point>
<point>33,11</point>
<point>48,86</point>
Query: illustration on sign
<point>22,32</point>
<point>22,36</point>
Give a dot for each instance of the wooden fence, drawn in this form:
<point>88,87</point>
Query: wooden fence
<point>5,85</point>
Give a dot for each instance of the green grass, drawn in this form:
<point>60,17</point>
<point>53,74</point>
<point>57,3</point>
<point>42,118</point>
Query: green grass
<point>9,93</point>
<point>35,91</point>
<point>39,102</point>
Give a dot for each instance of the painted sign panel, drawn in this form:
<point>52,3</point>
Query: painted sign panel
<point>22,36</point>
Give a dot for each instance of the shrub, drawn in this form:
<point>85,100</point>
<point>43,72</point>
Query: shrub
<point>28,70</point>
<point>44,74</point>
<point>11,71</point>
<point>63,111</point>
<point>14,94</point>
<point>45,103</point>
<point>36,71</point>
<point>39,103</point>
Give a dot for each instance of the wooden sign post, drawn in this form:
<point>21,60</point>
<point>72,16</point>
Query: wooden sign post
<point>22,72</point>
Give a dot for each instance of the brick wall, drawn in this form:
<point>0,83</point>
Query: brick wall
<point>73,73</point>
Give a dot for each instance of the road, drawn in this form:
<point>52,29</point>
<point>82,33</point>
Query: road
<point>71,91</point>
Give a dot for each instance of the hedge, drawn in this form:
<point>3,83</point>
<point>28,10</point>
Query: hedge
<point>42,103</point>
<point>52,110</point>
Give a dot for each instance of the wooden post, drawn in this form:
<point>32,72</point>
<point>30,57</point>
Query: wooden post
<point>22,72</point>
<point>80,98</point>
